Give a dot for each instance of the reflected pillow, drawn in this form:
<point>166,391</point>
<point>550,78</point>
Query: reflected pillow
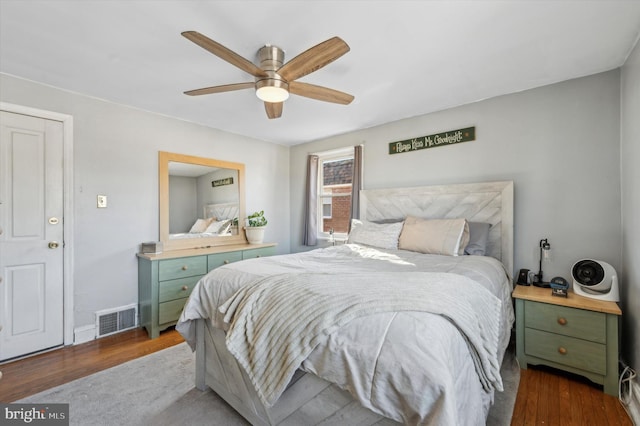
<point>381,235</point>
<point>478,238</point>
<point>200,225</point>
<point>224,229</point>
<point>434,236</point>
<point>218,227</point>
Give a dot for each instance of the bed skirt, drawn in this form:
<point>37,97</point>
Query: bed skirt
<point>307,400</point>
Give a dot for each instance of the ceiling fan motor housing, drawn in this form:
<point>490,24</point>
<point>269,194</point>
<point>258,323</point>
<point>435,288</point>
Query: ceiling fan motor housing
<point>271,59</point>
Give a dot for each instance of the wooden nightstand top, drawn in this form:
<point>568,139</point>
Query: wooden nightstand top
<point>538,294</point>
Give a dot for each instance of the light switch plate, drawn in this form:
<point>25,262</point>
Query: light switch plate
<point>102,201</point>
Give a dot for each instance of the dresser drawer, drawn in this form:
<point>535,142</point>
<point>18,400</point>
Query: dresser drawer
<point>172,269</point>
<point>170,311</point>
<point>587,325</point>
<point>258,252</point>
<point>176,289</point>
<point>577,353</point>
<point>217,260</point>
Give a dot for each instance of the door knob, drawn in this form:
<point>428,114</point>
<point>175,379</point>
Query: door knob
<point>53,244</point>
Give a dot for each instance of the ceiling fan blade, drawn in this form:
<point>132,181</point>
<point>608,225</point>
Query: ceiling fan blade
<point>274,109</point>
<point>320,93</point>
<point>220,89</point>
<point>224,53</point>
<point>313,59</point>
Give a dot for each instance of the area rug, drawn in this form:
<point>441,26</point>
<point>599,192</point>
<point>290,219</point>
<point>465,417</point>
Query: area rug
<point>158,390</point>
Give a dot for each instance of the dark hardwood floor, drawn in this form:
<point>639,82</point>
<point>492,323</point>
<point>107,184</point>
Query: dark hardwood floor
<point>40,372</point>
<point>552,397</point>
<point>545,396</point>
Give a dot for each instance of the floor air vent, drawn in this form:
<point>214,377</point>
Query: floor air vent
<point>115,320</point>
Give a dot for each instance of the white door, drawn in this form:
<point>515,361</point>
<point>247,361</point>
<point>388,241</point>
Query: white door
<point>31,234</point>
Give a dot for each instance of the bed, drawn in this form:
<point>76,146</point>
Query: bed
<point>403,336</point>
<point>217,221</point>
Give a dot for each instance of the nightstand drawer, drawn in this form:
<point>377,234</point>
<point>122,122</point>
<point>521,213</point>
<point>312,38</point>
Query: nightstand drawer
<point>565,350</point>
<point>170,311</point>
<point>180,268</point>
<point>587,325</point>
<point>259,252</point>
<point>176,289</point>
<point>217,260</point>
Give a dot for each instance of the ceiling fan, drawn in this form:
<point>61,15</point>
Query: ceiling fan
<point>274,80</point>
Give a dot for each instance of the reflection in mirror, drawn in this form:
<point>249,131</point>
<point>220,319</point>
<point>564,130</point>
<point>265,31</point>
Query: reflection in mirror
<point>201,192</point>
<point>200,201</point>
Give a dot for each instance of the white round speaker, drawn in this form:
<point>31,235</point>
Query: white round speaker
<point>595,279</point>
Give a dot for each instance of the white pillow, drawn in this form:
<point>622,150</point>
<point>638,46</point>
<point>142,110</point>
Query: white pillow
<point>434,236</point>
<point>382,235</point>
<point>216,227</point>
<point>200,225</point>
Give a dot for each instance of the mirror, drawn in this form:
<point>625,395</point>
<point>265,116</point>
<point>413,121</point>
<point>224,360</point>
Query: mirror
<point>198,199</point>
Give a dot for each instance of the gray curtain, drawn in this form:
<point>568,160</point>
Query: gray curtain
<point>311,208</point>
<point>356,183</point>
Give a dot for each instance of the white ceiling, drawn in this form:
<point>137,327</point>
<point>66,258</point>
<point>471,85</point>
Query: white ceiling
<point>407,58</point>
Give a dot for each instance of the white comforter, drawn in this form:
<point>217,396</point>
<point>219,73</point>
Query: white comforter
<point>413,367</point>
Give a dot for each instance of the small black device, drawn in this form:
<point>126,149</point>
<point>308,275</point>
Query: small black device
<point>523,277</point>
<point>559,286</point>
<point>559,282</point>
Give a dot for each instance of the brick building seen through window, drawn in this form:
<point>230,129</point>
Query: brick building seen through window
<point>337,176</point>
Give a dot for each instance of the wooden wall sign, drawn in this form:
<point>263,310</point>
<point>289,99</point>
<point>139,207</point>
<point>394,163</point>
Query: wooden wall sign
<point>431,141</point>
<point>222,182</point>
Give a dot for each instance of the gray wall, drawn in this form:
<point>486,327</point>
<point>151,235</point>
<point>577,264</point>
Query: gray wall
<point>116,154</point>
<point>558,143</point>
<point>183,205</point>
<point>208,194</point>
<point>630,177</point>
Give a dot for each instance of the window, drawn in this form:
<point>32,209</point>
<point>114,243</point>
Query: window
<point>335,170</point>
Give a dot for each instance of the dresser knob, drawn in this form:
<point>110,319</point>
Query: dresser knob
<point>562,321</point>
<point>562,351</point>
<point>185,288</point>
<point>226,262</point>
<point>258,256</point>
<point>184,268</point>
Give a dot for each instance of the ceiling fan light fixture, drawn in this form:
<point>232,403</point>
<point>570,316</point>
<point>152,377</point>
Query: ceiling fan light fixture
<point>272,90</point>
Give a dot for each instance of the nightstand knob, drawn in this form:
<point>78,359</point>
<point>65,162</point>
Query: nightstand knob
<point>562,321</point>
<point>184,268</point>
<point>562,351</point>
<point>226,262</point>
<point>185,288</point>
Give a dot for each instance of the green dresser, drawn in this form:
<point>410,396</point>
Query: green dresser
<point>575,334</point>
<point>165,280</point>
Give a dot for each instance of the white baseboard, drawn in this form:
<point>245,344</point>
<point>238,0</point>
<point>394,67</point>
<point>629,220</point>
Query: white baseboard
<point>634,405</point>
<point>84,334</point>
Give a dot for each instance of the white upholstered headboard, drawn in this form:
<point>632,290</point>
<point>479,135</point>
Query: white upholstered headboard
<point>221,211</point>
<point>490,202</point>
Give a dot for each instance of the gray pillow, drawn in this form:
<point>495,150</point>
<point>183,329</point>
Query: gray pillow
<point>478,238</point>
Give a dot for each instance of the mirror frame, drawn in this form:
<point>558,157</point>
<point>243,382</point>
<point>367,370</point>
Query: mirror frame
<point>164,158</point>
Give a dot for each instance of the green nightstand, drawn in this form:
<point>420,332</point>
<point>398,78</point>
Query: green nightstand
<point>576,334</point>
